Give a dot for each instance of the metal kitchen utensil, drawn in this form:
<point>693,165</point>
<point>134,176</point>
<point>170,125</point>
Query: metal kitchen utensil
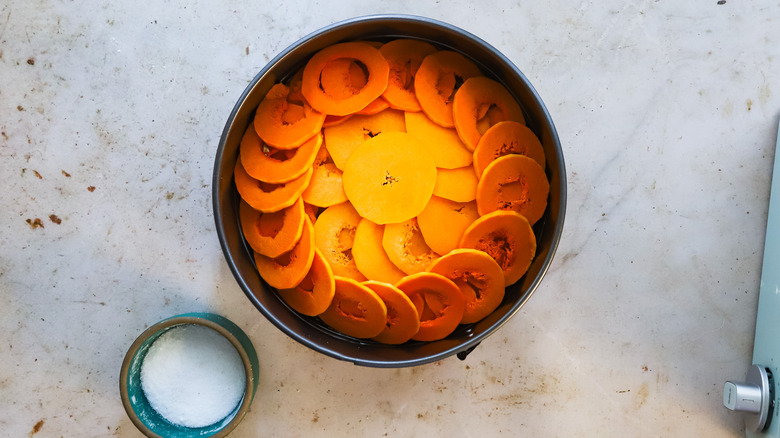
<point>757,396</point>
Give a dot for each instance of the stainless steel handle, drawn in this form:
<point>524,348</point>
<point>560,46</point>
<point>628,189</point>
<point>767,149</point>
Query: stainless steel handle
<point>752,397</point>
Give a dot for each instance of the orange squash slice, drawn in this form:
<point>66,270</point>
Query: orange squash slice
<point>479,104</point>
<point>312,211</point>
<point>267,197</point>
<point>342,77</point>
<point>352,99</point>
<point>459,185</point>
<point>283,122</point>
<point>506,138</point>
<point>272,234</point>
<point>442,144</point>
<point>514,182</point>
<point>506,236</point>
<point>405,246</point>
<point>479,277</point>
<point>403,322</point>
<point>288,270</point>
<point>313,294</point>
<point>439,301</point>
<point>437,81</point>
<point>343,138</point>
<point>268,164</point>
<point>376,106</point>
<point>326,187</point>
<point>370,257</point>
<point>404,57</point>
<point>388,180</point>
<point>355,310</point>
<point>334,234</point>
<point>443,222</point>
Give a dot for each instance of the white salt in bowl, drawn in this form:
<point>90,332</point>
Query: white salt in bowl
<point>137,405</point>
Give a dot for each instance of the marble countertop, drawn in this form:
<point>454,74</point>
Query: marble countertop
<point>667,112</point>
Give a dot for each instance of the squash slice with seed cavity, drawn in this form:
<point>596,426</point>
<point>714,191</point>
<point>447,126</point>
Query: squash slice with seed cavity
<point>404,57</point>
<point>505,138</point>
<point>405,246</point>
<point>334,234</point>
<point>459,185</point>
<point>442,144</point>
<point>507,237</point>
<point>313,294</point>
<point>403,322</point>
<point>443,222</point>
<point>370,256</point>
<point>355,310</point>
<point>288,270</point>
<point>326,187</point>
<point>269,164</point>
<point>514,182</point>
<point>345,137</point>
<point>479,104</point>
<point>267,197</point>
<point>349,98</point>
<point>479,277</point>
<point>439,302</point>
<point>284,122</point>
<point>438,80</point>
<point>272,234</point>
<point>387,180</point>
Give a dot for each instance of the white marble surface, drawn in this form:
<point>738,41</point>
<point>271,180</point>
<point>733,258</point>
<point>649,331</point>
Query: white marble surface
<point>667,112</point>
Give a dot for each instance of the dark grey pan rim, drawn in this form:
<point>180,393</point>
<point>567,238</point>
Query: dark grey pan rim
<point>330,343</point>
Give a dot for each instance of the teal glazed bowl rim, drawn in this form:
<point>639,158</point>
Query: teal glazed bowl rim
<point>144,417</point>
<point>310,331</point>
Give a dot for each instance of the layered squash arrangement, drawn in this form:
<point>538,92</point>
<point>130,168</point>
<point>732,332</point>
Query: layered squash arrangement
<point>390,189</point>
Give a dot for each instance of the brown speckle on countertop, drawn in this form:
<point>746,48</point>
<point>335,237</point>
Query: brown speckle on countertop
<point>67,175</point>
<point>35,223</point>
<point>54,218</point>
<point>31,61</point>
<point>36,428</point>
<point>91,188</point>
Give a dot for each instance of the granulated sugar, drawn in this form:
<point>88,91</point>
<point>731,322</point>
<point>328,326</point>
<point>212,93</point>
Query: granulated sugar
<point>193,376</point>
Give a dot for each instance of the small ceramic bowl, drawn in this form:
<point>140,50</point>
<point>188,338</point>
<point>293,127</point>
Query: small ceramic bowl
<point>145,418</point>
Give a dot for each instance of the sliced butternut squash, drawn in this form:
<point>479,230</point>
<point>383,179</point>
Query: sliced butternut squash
<point>334,234</point>
<point>506,138</point>
<point>355,310</point>
<point>314,293</point>
<point>405,246</point>
<point>403,322</point>
<point>479,104</point>
<point>272,234</point>
<point>345,102</point>
<point>479,277</point>
<point>288,270</point>
<point>506,236</point>
<point>442,144</point>
<point>443,222</point>
<point>267,197</point>
<point>326,187</point>
<point>376,106</point>
<point>387,180</point>
<point>370,256</point>
<point>442,304</point>
<point>283,122</point>
<point>459,185</point>
<point>269,164</point>
<point>343,138</point>
<point>404,57</point>
<point>514,182</point>
<point>438,79</point>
